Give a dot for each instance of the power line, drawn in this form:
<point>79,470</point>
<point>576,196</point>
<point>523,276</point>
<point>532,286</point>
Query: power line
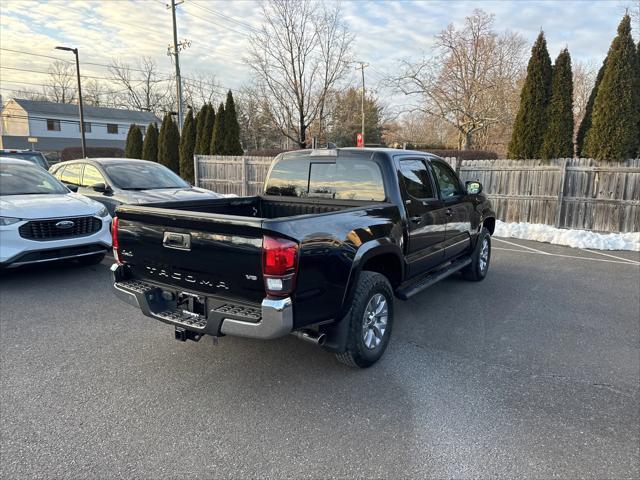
<point>226,17</point>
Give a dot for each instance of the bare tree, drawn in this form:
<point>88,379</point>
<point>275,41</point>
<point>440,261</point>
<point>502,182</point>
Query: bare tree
<point>141,87</point>
<point>62,82</point>
<point>30,94</point>
<point>201,88</point>
<point>300,53</point>
<point>95,93</point>
<point>584,78</point>
<point>470,81</point>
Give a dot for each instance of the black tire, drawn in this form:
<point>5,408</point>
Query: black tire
<point>91,259</point>
<point>480,260</point>
<point>358,354</point>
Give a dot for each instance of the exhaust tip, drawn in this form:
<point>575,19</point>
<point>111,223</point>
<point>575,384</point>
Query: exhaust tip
<point>311,337</point>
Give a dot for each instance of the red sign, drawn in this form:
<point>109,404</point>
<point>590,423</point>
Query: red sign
<point>359,141</point>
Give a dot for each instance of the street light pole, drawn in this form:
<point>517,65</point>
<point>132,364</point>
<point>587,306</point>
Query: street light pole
<point>84,141</point>
<point>362,66</point>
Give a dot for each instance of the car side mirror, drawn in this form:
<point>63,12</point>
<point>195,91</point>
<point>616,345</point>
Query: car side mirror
<point>100,188</point>
<point>473,188</point>
<point>73,188</point>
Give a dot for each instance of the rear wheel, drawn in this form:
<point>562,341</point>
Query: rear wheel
<point>480,258</point>
<point>91,259</point>
<point>370,321</point>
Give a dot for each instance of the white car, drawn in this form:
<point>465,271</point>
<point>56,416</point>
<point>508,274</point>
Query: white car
<point>41,220</point>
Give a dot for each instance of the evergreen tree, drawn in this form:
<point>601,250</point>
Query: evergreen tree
<point>558,138</point>
<point>217,139</point>
<point>168,144</point>
<point>133,146</point>
<point>531,120</point>
<point>585,124</point>
<point>231,142</point>
<point>199,121</point>
<point>615,132</point>
<point>207,134</point>
<point>187,146</point>
<point>150,146</point>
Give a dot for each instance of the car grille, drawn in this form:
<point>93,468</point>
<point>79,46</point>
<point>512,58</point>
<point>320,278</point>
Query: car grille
<point>51,229</point>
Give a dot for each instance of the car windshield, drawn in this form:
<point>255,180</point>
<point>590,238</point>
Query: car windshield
<point>142,176</point>
<point>28,180</point>
<point>33,157</point>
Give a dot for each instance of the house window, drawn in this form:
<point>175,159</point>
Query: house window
<point>87,127</point>
<point>112,128</point>
<point>53,125</point>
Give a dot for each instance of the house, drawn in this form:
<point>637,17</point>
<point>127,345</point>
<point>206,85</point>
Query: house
<point>56,125</point>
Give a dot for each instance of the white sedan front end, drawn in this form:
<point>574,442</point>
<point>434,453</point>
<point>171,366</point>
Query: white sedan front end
<point>42,221</point>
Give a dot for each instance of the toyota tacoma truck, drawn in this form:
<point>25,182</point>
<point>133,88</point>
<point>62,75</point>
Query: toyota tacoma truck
<point>336,236</point>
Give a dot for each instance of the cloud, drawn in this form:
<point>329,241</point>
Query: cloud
<point>384,31</point>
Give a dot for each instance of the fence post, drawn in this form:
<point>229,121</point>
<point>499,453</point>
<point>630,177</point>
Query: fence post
<point>245,177</point>
<point>561,193</point>
<point>196,174</point>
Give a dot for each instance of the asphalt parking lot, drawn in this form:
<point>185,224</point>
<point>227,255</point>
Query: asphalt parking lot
<point>532,373</point>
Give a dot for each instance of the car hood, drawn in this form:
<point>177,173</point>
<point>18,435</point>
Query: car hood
<point>47,206</point>
<point>168,194</point>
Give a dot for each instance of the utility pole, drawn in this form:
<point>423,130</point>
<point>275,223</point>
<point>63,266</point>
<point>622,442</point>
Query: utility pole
<point>81,108</point>
<point>362,66</point>
<point>176,55</point>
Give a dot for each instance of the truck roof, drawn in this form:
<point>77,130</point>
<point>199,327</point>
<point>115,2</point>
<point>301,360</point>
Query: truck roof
<point>366,151</point>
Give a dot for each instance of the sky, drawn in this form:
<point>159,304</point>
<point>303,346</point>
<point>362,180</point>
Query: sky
<point>219,33</point>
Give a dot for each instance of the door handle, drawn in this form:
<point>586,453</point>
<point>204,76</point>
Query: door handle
<point>415,219</point>
<point>449,212</point>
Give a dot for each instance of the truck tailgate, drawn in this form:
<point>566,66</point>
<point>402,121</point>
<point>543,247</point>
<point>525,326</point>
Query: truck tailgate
<point>199,252</point>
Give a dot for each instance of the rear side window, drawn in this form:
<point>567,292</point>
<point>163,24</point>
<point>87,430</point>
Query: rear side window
<point>345,179</point>
<point>416,179</point>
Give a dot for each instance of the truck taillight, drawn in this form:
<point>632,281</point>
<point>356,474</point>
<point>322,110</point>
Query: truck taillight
<point>114,239</point>
<point>279,264</point>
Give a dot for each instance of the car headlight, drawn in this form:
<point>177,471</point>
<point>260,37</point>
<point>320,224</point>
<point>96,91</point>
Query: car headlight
<point>103,212</point>
<point>8,220</point>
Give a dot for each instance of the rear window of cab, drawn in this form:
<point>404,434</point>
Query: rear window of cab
<point>311,177</point>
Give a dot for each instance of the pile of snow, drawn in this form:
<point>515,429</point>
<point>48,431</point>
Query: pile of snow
<point>570,238</point>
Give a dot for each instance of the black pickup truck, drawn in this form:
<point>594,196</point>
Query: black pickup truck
<point>337,234</point>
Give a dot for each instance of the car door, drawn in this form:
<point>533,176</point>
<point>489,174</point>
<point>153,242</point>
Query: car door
<point>425,215</point>
<point>92,176</point>
<point>458,209</point>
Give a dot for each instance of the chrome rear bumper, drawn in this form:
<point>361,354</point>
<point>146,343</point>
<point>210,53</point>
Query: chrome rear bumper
<point>276,318</point>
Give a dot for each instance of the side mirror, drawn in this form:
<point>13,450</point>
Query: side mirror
<point>100,187</point>
<point>473,188</point>
<point>72,187</point>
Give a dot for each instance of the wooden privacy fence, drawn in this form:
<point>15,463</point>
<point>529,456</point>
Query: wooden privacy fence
<point>567,193</point>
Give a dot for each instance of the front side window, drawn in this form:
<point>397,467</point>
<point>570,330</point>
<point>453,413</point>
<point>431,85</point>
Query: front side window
<point>71,174</point>
<point>416,179</point>
<point>91,176</point>
<point>447,180</point>
<point>28,180</point>
<point>112,128</point>
<point>53,125</point>
<point>344,179</point>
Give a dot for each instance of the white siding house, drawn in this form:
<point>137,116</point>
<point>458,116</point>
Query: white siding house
<point>57,125</point>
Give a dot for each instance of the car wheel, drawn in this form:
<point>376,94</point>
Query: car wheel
<point>480,258</point>
<point>91,259</point>
<point>370,321</point>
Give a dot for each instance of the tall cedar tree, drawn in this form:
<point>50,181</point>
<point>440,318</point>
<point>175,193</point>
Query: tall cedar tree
<point>638,50</point>
<point>168,144</point>
<point>133,146</point>
<point>231,142</point>
<point>587,119</point>
<point>150,146</point>
<point>207,134</point>
<point>199,121</point>
<point>217,139</point>
<point>531,120</point>
<point>187,147</point>
<point>615,131</point>
<point>558,138</point>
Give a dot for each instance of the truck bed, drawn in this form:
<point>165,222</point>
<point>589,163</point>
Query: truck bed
<point>267,207</point>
